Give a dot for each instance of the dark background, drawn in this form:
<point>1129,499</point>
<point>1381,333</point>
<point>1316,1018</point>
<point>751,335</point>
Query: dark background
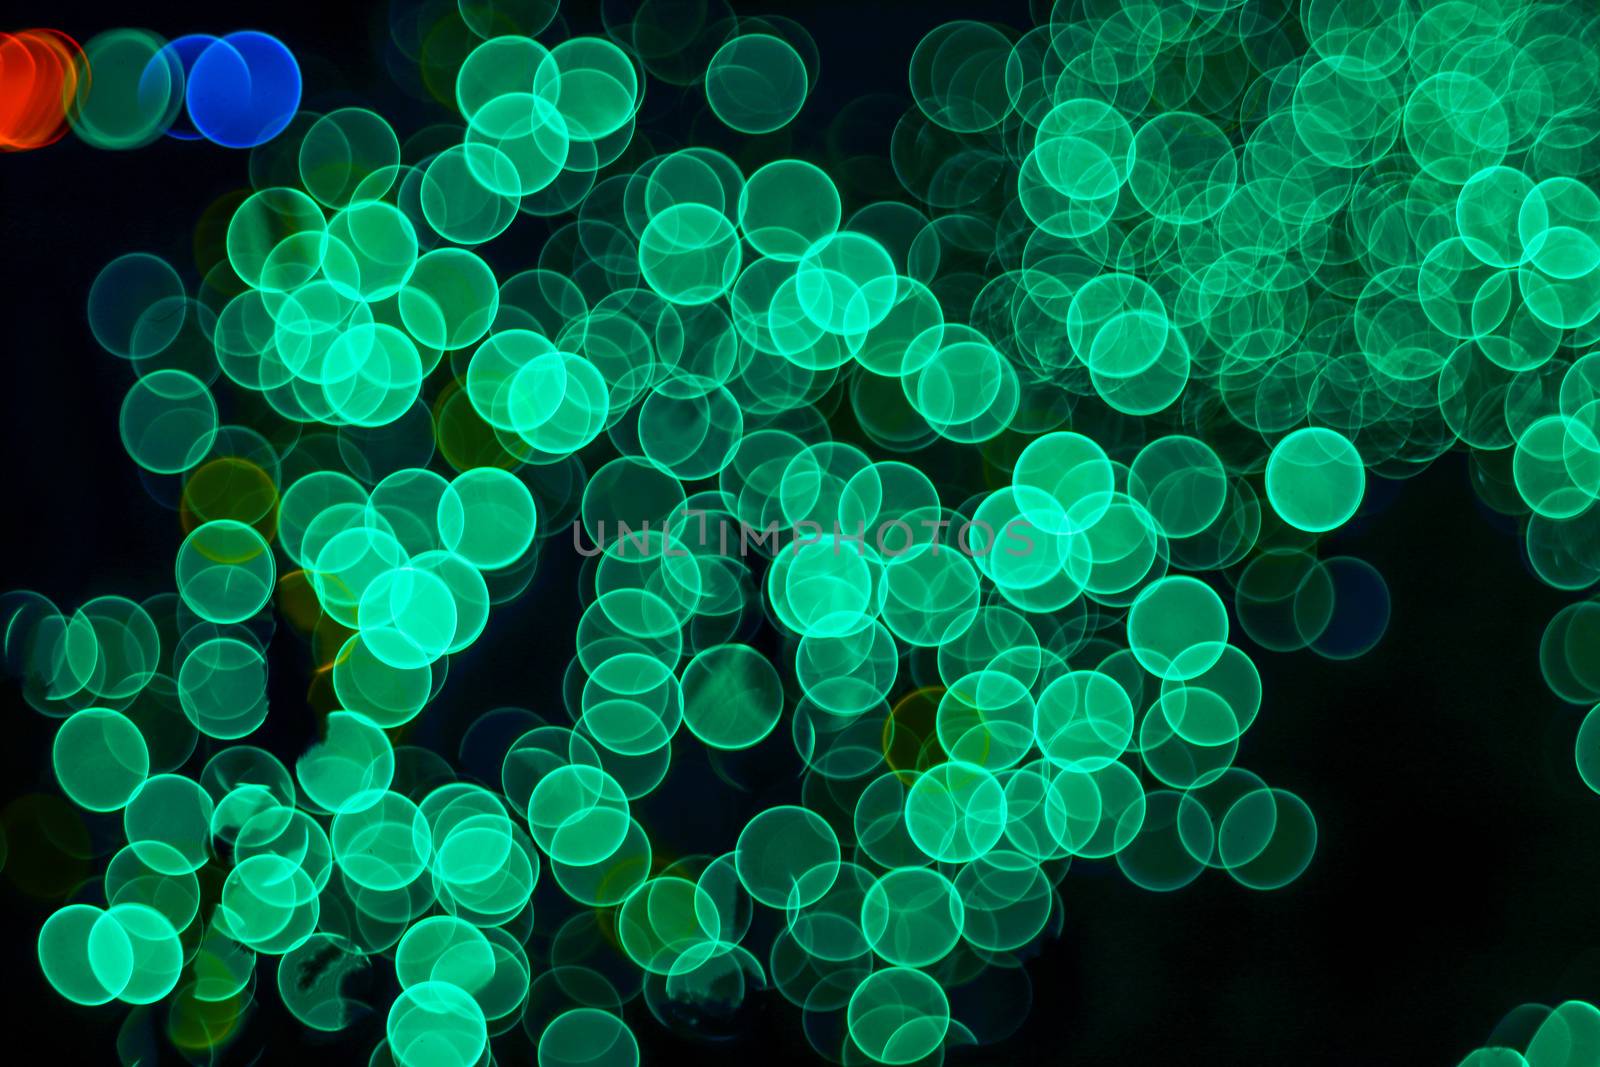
<point>1459,854</point>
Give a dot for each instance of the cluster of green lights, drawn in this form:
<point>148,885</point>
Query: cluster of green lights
<point>1026,443</point>
<point>1567,1035</point>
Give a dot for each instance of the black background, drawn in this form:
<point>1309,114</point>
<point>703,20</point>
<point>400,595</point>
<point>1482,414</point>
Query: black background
<point>1459,857</point>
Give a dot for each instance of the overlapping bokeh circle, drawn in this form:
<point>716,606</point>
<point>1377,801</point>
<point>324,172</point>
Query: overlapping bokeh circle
<point>956,482</point>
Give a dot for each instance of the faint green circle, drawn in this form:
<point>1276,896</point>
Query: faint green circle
<point>587,1037</point>
<point>756,83</point>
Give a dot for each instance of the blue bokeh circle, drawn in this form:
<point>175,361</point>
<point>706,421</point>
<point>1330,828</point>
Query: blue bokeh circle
<point>243,89</point>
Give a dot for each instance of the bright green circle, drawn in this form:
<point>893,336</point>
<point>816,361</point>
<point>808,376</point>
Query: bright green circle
<point>100,759</point>
<point>1315,479</point>
<point>898,1015</point>
<point>1177,627</point>
<point>732,696</point>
